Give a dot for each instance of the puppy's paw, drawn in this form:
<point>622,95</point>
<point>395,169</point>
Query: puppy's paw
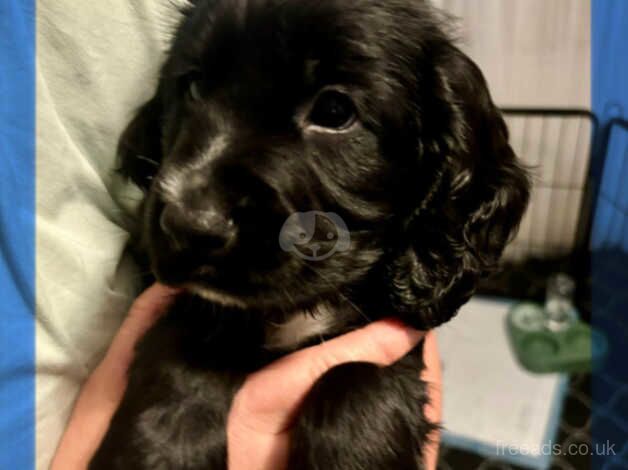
<point>361,416</point>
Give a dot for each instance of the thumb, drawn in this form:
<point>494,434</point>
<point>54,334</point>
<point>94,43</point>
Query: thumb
<point>258,406</point>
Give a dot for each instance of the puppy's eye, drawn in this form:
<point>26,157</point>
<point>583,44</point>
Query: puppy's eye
<point>333,110</point>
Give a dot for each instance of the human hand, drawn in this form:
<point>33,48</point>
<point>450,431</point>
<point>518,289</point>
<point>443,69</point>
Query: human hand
<point>259,424</point>
<point>103,391</point>
<point>258,429</point>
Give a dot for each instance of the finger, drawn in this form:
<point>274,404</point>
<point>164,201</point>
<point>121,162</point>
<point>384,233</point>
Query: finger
<point>432,375</point>
<point>144,312</point>
<point>259,407</point>
<point>102,392</point>
<point>382,343</point>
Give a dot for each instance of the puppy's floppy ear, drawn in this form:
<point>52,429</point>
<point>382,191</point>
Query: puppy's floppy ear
<point>139,147</point>
<point>489,188</point>
<point>476,200</point>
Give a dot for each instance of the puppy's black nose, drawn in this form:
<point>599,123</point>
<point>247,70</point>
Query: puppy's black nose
<point>207,229</point>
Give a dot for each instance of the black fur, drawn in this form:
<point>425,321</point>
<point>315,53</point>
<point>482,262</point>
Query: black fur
<point>425,180</point>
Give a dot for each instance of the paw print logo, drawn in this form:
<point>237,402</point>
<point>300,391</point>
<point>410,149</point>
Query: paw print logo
<point>315,235</point>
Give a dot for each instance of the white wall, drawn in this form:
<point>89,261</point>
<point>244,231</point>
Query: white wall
<point>533,52</point>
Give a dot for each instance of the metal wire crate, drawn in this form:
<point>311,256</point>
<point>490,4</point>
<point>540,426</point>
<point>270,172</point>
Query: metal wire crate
<point>557,145</point>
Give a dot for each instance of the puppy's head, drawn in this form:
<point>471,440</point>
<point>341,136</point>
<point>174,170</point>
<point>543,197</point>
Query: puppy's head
<point>283,131</point>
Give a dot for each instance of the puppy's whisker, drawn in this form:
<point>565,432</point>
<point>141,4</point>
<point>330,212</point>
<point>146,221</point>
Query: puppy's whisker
<point>355,307</point>
<point>321,338</point>
<point>339,293</point>
<point>148,160</point>
<point>290,299</point>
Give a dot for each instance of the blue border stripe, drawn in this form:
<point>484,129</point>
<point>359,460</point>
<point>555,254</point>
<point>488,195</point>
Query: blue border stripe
<point>609,424</point>
<point>17,234</point>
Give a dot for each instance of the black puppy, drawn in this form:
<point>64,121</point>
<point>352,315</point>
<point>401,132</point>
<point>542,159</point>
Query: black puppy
<point>336,157</point>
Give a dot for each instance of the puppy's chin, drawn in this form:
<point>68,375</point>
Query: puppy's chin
<point>215,296</point>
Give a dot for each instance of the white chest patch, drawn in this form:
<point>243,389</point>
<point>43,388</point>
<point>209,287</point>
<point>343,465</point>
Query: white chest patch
<point>300,328</point>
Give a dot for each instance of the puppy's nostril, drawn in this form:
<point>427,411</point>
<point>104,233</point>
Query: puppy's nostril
<point>206,230</point>
<point>174,222</point>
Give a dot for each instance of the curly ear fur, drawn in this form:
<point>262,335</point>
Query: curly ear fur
<point>139,148</point>
<point>474,208</point>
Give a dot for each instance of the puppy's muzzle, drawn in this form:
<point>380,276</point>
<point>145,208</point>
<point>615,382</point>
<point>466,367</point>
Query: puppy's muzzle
<point>208,227</point>
<point>219,212</point>
<point>199,215</point>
